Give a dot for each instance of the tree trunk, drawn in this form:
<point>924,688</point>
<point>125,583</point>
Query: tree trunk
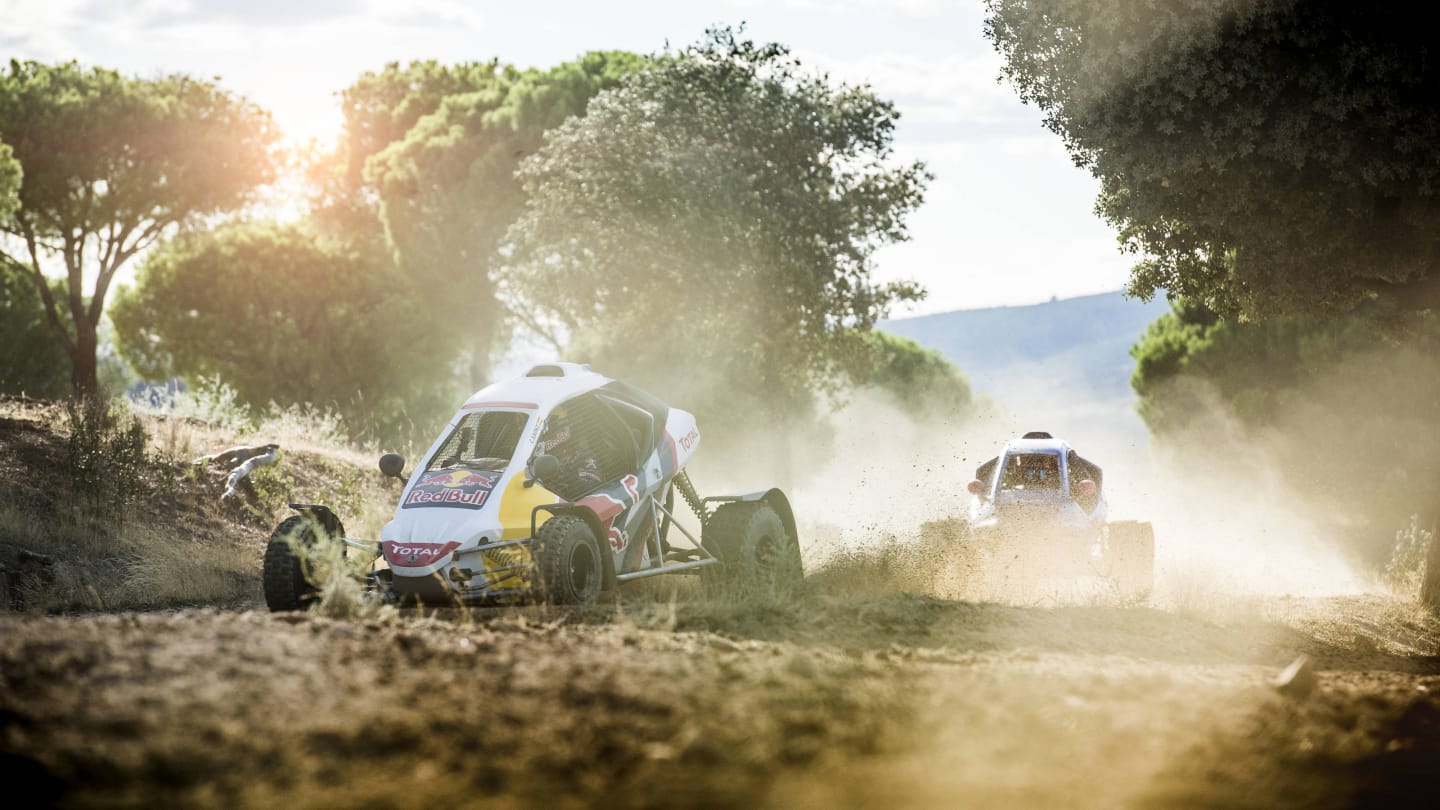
<point>83,377</point>
<point>1430,588</point>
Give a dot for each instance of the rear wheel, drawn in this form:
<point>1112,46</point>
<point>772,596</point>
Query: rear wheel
<point>1131,548</point>
<point>288,575</point>
<point>756,553</point>
<point>567,562</point>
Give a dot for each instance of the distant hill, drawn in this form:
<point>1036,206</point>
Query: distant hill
<point>1089,337</point>
<point>1072,353</point>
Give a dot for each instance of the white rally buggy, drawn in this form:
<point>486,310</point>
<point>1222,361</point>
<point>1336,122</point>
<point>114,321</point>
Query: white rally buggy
<point>1040,505</point>
<point>556,485</point>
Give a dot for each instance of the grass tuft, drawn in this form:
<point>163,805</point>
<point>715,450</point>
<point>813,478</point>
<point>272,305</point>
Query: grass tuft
<point>1405,570</point>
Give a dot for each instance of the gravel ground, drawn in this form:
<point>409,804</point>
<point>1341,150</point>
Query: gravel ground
<point>884,701</point>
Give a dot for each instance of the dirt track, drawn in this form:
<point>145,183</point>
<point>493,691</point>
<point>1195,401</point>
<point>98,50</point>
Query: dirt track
<point>885,701</point>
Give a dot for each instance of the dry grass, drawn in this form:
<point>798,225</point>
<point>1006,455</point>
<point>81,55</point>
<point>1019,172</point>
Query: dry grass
<point>189,548</point>
<point>1204,595</point>
<point>163,537</point>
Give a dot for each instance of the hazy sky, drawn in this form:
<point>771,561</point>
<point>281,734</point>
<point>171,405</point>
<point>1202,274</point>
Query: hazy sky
<point>1006,221</point>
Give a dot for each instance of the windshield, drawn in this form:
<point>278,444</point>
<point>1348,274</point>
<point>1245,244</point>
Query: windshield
<point>484,440</point>
<point>1031,471</point>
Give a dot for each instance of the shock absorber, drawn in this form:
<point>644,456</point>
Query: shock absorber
<point>687,491</point>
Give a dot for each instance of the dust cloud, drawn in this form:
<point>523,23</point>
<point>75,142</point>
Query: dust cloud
<point>1228,528</point>
<point>1229,524</point>
<point>888,473</point>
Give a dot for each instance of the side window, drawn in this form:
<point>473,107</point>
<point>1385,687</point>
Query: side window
<point>592,444</point>
<point>640,425</point>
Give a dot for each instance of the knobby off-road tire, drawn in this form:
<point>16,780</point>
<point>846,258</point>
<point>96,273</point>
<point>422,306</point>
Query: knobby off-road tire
<point>756,554</point>
<point>288,575</point>
<point>1131,546</point>
<point>568,570</point>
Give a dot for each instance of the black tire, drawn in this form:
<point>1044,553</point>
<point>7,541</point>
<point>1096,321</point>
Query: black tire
<point>756,553</point>
<point>1130,545</point>
<point>568,569</point>
<point>287,577</point>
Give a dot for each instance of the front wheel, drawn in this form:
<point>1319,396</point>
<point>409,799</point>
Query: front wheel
<point>567,562</point>
<point>289,577</point>
<point>756,553</point>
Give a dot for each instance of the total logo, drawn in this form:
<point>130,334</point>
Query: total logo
<point>416,555</point>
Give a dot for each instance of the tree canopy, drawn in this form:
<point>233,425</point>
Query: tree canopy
<point>1260,371</point>
<point>395,251</point>
<point>1346,406</point>
<point>26,365</point>
<point>1262,158</point>
<point>920,379</point>
<point>378,109</point>
<point>110,164</point>
<point>10,175</point>
<point>707,227</point>
<point>31,361</point>
<point>286,316</point>
<point>448,192</point>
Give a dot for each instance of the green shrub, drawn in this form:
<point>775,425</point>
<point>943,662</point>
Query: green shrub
<point>105,454</point>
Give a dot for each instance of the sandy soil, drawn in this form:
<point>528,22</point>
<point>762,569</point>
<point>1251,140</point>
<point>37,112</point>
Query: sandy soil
<point>826,701</point>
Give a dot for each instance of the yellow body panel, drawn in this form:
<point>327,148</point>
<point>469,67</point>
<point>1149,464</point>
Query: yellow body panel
<point>516,504</point>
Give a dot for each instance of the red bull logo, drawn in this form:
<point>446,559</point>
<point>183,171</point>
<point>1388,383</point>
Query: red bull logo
<point>465,489</point>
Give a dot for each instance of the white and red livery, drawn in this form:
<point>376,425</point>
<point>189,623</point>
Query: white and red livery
<point>491,512</point>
